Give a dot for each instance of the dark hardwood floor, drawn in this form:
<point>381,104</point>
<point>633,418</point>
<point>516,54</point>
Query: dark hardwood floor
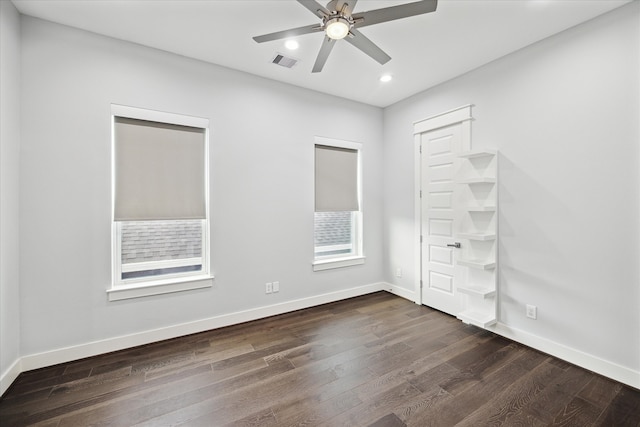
<point>376,360</point>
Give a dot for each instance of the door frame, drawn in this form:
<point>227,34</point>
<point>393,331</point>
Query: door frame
<point>461,115</point>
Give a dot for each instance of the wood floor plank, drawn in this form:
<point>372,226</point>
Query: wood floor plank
<point>48,383</point>
<point>349,348</point>
<point>577,412</point>
<point>600,391</point>
<point>41,374</point>
<point>188,406</point>
<point>453,409</point>
<point>53,423</point>
<point>559,393</point>
<point>624,410</point>
<point>491,357</point>
<point>442,373</point>
<point>265,418</point>
<point>374,408</point>
<point>389,420</point>
<point>375,360</point>
<point>509,402</point>
<point>309,411</point>
<point>92,381</point>
<point>415,328</point>
<point>343,384</point>
<point>522,419</point>
<point>258,354</point>
<point>236,402</point>
<point>420,406</point>
<point>104,401</point>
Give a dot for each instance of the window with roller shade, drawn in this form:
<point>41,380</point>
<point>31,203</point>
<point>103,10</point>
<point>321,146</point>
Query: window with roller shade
<point>338,215</point>
<point>160,217</point>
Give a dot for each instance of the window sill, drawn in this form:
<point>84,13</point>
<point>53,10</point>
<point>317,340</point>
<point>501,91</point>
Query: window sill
<point>159,287</point>
<point>328,264</point>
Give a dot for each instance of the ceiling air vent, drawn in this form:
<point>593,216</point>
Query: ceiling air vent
<point>284,61</point>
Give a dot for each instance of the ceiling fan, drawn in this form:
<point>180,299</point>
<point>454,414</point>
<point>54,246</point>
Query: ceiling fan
<point>339,22</point>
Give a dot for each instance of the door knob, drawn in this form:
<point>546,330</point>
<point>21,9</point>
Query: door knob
<point>455,245</point>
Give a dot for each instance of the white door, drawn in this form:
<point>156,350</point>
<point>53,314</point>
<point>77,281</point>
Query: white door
<point>439,162</point>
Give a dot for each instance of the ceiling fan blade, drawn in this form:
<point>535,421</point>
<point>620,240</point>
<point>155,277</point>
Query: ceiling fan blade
<point>394,12</point>
<point>325,50</point>
<point>367,46</point>
<point>316,8</point>
<point>288,33</point>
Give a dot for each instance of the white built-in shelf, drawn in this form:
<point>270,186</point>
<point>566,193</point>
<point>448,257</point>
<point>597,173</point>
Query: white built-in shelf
<point>477,263</point>
<point>481,208</point>
<point>478,180</point>
<point>478,319</point>
<point>477,236</point>
<point>480,200</point>
<point>477,153</point>
<point>478,291</point>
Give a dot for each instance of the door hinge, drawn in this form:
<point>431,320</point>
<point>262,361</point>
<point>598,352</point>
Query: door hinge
<point>421,284</point>
<point>421,194</point>
<point>420,238</point>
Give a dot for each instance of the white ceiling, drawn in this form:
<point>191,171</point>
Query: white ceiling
<point>426,50</point>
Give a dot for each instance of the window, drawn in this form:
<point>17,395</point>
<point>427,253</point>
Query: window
<point>160,199</point>
<point>338,214</point>
<point>159,248</point>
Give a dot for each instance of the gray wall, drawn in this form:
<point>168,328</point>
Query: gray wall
<point>262,136</point>
<point>9,159</point>
<point>564,114</point>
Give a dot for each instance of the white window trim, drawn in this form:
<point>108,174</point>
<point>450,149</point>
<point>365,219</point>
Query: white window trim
<point>141,287</point>
<point>333,248</point>
<point>159,287</point>
<point>340,261</point>
<point>328,264</point>
<point>157,265</point>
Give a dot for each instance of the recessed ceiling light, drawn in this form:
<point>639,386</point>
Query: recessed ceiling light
<point>385,78</point>
<point>291,44</point>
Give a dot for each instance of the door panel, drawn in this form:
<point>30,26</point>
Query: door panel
<point>441,282</point>
<point>439,163</point>
<point>441,255</point>
<point>441,227</point>
<point>440,199</point>
<point>440,173</point>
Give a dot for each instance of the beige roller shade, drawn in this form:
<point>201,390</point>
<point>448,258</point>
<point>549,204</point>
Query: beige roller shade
<point>336,179</point>
<point>159,171</point>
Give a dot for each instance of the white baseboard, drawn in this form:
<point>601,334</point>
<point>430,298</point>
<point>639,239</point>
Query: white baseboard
<point>401,292</point>
<point>62,355</point>
<point>9,376</point>
<point>587,361</point>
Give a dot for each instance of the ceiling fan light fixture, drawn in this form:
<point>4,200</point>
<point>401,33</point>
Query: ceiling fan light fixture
<point>337,28</point>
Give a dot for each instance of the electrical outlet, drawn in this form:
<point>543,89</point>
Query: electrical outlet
<point>398,272</point>
<point>268,288</point>
<point>276,287</point>
<point>532,312</point>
